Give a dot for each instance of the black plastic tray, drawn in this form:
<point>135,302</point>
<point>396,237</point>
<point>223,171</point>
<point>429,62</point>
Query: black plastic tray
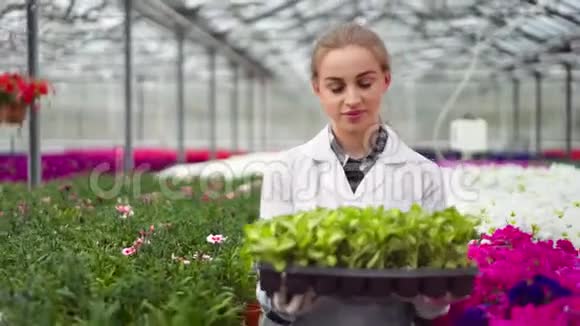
<point>376,283</point>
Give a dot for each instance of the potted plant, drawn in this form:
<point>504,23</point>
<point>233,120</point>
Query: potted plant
<point>17,92</point>
<point>252,313</point>
<point>368,252</point>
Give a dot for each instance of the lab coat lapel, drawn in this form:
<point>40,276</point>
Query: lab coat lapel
<point>375,185</point>
<point>333,187</point>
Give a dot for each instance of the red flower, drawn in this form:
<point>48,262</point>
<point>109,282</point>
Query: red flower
<point>27,93</point>
<point>8,87</point>
<point>15,89</point>
<point>42,87</point>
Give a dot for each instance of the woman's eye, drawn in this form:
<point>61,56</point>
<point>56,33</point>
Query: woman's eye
<point>336,89</point>
<point>365,83</point>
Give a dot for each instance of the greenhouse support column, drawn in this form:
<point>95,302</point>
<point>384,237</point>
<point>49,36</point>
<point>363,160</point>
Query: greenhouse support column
<point>141,106</point>
<point>181,157</point>
<point>80,111</point>
<point>235,105</point>
<point>411,108</point>
<point>568,110</point>
<point>538,78</point>
<point>516,110</point>
<point>502,128</point>
<point>34,159</point>
<point>128,153</point>
<point>264,108</point>
<point>268,111</point>
<point>12,144</point>
<point>250,110</point>
<point>212,103</point>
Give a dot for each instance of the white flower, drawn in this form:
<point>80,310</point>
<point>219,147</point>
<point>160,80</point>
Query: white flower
<point>536,199</point>
<point>203,257</point>
<point>245,188</point>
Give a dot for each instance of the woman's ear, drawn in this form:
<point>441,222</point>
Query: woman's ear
<point>387,80</point>
<point>315,86</point>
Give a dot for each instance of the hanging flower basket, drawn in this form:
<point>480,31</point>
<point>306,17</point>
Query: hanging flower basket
<point>17,94</point>
<point>13,113</point>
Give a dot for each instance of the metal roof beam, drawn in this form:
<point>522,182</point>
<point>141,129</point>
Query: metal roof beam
<point>556,13</point>
<point>418,28</point>
<point>162,14</point>
<point>270,12</point>
<point>469,37</point>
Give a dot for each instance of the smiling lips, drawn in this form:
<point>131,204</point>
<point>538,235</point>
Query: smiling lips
<point>353,115</point>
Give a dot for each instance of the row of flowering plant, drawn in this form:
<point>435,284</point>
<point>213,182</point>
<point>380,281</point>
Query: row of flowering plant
<point>521,277</point>
<point>130,259</point>
<point>538,200</point>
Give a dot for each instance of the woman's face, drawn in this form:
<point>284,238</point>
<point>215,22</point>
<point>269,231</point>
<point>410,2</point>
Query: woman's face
<point>350,86</point>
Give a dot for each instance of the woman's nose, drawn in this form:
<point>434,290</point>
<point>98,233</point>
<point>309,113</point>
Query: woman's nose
<point>352,97</point>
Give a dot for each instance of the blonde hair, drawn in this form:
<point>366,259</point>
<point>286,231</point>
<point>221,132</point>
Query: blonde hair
<point>345,35</point>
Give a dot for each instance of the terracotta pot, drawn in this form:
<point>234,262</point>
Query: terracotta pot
<point>13,113</point>
<point>252,314</point>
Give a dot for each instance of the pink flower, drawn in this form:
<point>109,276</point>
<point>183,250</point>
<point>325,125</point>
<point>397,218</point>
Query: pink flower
<point>216,239</point>
<point>561,312</point>
<point>187,191</point>
<point>509,235</point>
<point>509,256</point>
<point>129,251</point>
<point>22,208</point>
<point>206,198</point>
<point>567,246</point>
<point>124,210</point>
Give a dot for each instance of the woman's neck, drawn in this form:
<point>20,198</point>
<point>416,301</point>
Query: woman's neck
<point>356,144</point>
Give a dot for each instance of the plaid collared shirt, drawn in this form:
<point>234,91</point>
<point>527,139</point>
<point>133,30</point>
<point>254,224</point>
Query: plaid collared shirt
<point>355,170</point>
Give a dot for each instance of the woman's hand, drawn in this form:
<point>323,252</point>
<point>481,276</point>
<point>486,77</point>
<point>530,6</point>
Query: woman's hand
<point>294,305</point>
<point>431,308</point>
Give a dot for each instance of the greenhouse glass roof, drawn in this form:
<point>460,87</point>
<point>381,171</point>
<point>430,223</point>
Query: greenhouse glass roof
<point>85,37</point>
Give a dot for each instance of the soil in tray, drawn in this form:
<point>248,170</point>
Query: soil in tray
<point>407,287</point>
<point>325,285</point>
<point>380,287</point>
<point>462,286</point>
<point>270,281</point>
<point>297,283</point>
<point>351,287</point>
<point>435,287</point>
<point>351,283</point>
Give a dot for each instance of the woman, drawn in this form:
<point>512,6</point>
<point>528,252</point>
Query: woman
<point>355,160</point>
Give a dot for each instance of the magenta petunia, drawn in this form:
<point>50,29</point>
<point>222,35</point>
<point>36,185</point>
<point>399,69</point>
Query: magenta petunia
<point>507,257</point>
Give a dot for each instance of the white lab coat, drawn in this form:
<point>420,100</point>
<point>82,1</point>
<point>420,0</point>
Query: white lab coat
<point>310,176</point>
